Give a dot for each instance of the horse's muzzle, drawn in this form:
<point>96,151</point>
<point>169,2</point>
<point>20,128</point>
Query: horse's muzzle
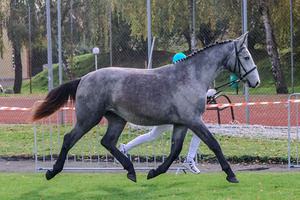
<point>248,84</point>
<point>257,84</point>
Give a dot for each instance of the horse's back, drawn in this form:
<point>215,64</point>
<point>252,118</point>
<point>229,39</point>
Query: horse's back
<point>127,92</point>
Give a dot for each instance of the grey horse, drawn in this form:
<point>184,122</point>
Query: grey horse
<point>172,94</point>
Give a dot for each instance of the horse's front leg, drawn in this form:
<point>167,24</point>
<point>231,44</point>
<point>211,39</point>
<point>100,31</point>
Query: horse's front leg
<point>179,133</point>
<point>205,135</point>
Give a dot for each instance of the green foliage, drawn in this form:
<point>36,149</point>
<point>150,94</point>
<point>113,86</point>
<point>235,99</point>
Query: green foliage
<point>16,24</point>
<point>171,25</point>
<point>167,186</point>
<point>121,32</point>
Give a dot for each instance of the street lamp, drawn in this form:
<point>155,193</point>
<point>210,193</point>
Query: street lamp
<point>96,51</point>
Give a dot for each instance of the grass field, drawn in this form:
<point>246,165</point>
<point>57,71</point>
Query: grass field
<point>168,186</point>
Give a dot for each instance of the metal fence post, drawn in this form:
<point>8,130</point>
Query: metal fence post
<point>289,132</point>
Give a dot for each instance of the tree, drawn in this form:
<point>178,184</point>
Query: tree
<point>171,20</point>
<point>120,31</point>
<point>208,35</point>
<point>1,33</point>
<point>218,20</point>
<point>18,34</point>
<point>272,48</point>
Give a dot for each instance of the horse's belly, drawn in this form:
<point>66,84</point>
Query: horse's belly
<point>143,118</point>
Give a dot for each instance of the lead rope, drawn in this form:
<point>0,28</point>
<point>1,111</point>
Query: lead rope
<point>226,84</point>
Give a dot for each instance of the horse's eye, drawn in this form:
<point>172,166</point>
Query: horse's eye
<point>247,58</point>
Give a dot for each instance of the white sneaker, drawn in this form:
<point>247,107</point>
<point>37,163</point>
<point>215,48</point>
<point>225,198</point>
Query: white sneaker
<point>122,149</point>
<point>190,165</point>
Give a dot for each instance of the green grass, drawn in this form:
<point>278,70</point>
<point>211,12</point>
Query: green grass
<point>167,186</point>
<point>82,65</point>
<point>19,140</point>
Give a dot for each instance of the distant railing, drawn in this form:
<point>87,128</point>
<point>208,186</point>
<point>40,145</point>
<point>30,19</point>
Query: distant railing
<point>294,152</point>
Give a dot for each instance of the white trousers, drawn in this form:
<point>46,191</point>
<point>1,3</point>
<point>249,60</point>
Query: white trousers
<point>158,131</point>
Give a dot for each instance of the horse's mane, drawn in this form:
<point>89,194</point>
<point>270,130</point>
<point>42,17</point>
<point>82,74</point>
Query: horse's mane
<point>204,48</point>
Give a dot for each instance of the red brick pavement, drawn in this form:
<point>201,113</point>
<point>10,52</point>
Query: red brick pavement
<point>267,115</point>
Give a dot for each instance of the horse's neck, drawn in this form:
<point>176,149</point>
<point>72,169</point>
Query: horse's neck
<point>208,66</point>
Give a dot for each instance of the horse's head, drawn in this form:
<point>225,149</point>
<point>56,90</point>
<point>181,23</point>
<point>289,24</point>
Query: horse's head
<point>242,64</point>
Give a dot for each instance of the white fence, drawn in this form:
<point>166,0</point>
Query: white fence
<point>88,154</point>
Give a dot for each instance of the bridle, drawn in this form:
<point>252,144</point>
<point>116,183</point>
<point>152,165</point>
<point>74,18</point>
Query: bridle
<point>239,65</point>
<point>237,70</point>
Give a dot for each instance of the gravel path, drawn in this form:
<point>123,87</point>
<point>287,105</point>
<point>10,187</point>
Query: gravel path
<point>28,166</point>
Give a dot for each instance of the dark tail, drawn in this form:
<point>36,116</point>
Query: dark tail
<point>56,98</point>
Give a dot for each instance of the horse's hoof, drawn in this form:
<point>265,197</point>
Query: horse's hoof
<point>131,177</point>
<point>150,174</point>
<point>49,175</point>
<point>232,179</point>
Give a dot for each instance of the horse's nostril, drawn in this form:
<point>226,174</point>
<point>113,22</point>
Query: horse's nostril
<point>257,83</point>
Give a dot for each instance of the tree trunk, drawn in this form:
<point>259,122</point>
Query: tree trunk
<point>273,52</point>
<point>18,70</point>
<point>67,68</point>
<point>187,36</point>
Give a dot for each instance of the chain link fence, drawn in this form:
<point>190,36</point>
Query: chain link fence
<point>119,29</point>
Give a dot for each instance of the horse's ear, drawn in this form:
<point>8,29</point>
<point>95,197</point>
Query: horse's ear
<point>242,39</point>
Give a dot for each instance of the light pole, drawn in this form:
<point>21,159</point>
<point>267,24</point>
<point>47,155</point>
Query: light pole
<point>96,51</point>
<point>246,89</point>
<point>49,47</point>
<point>149,31</point>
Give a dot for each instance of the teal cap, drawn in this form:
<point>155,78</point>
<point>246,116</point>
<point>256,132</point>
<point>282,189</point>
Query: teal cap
<point>178,56</point>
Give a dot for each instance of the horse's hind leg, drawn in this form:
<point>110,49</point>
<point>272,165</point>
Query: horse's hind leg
<point>69,140</point>
<point>115,127</point>
<point>205,135</point>
<point>179,133</point>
